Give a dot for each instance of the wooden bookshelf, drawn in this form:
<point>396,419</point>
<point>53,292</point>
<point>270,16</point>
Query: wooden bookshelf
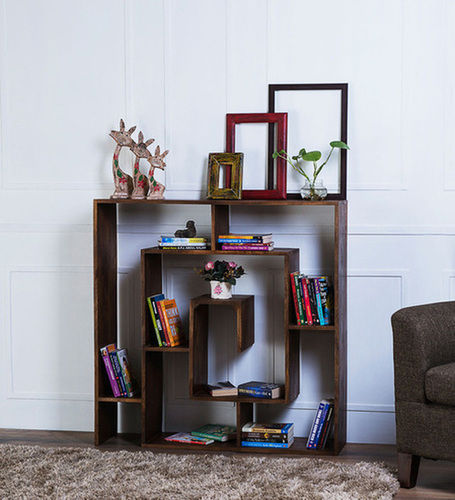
<point>151,399</point>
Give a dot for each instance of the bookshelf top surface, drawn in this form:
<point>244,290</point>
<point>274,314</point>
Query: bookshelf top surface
<point>222,202</point>
<point>274,252</point>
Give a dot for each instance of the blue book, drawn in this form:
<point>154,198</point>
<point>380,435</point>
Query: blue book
<point>242,241</point>
<point>260,390</point>
<point>263,444</point>
<point>318,301</point>
<point>321,424</point>
<point>118,373</point>
<point>318,423</point>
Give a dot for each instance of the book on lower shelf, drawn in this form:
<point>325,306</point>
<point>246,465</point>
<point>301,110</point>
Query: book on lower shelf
<point>118,371</point>
<point>264,390</point>
<point>246,242</point>
<point>216,432</point>
<point>185,437</point>
<point>322,425</point>
<point>275,435</point>
<point>166,321</point>
<point>313,299</point>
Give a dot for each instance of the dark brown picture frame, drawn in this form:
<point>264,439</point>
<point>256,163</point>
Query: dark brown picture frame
<point>280,120</point>
<point>232,189</point>
<point>343,88</point>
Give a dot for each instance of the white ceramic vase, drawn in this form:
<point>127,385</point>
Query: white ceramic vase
<point>221,290</point>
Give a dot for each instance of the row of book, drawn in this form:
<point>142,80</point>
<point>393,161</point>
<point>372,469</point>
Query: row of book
<point>322,425</point>
<point>312,299</point>
<point>116,364</point>
<point>254,435</point>
<point>249,242</point>
<point>173,243</point>
<point>252,389</point>
<point>166,320</point>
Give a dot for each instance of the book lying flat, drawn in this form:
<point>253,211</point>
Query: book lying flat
<point>184,437</point>
<point>264,390</point>
<point>217,432</point>
<point>284,428</point>
<point>223,389</point>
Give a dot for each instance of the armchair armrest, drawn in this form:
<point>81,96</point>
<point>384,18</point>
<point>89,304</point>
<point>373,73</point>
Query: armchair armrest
<point>423,337</point>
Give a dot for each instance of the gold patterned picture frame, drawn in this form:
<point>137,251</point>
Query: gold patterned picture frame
<point>233,164</point>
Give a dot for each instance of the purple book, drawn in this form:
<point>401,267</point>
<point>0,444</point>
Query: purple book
<point>249,246</point>
<point>110,373</point>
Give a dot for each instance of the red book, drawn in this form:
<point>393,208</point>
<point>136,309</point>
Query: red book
<point>306,301</point>
<point>294,295</point>
<point>159,306</point>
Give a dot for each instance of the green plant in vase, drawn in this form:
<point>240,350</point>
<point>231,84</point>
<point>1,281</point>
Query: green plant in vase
<point>313,188</point>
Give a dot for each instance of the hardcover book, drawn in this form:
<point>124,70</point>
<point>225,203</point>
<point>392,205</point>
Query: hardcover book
<point>278,428</point>
<point>268,444</point>
<point>241,247</point>
<point>247,238</point>
<point>183,437</point>
<point>155,317</point>
<point>216,432</point>
<point>223,389</point>
<point>123,361</point>
<point>110,372</point>
<point>260,390</point>
<point>159,306</point>
<point>181,241</point>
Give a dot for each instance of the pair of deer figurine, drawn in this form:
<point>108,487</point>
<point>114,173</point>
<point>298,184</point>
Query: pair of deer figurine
<point>139,186</point>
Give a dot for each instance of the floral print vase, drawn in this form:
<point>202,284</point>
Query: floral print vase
<point>221,290</point>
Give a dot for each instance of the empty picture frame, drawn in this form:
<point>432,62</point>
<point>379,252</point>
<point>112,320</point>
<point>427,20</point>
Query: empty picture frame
<point>343,129</point>
<point>280,120</point>
<point>232,186</point>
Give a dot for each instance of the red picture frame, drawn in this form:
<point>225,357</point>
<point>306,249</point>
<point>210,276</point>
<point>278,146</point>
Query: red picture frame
<point>281,122</point>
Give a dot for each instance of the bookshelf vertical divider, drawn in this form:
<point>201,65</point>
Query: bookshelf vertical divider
<point>152,358</point>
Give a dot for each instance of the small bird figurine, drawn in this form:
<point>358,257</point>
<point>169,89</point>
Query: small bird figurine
<point>189,232</point>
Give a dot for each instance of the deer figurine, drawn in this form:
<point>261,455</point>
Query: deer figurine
<point>140,181</point>
<point>123,182</point>
<point>156,191</point>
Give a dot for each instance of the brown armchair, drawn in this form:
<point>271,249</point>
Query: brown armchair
<point>424,360</point>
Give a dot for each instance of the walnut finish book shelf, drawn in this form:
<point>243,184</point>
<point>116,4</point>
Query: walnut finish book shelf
<point>151,373</point>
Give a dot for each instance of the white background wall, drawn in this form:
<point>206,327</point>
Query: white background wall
<point>69,70</point>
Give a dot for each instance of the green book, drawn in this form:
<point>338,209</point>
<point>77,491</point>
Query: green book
<point>155,326</point>
<point>216,432</point>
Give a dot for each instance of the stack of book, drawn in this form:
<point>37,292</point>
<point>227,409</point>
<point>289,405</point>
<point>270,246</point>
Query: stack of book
<point>207,434</point>
<point>312,299</point>
<point>262,390</point>
<point>166,321</point>
<point>173,243</point>
<point>116,364</point>
<point>322,425</point>
<point>249,242</point>
<point>268,435</point>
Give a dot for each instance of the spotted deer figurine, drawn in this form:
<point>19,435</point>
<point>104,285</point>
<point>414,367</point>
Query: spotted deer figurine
<point>140,181</point>
<point>123,182</point>
<point>156,191</point>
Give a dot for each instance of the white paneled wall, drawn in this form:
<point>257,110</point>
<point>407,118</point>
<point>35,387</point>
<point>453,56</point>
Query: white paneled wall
<point>69,70</point>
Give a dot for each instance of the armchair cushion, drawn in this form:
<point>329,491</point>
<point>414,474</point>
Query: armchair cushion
<point>440,384</point>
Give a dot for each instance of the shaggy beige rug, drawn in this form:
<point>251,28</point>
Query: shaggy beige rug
<point>36,472</point>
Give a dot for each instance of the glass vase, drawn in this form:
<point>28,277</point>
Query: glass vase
<point>313,190</point>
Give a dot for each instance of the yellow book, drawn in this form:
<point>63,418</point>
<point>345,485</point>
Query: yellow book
<point>173,321</point>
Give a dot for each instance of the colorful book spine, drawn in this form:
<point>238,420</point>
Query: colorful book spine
<point>118,373</point>
<point>313,306</point>
<point>240,241</point>
<point>306,300</point>
<point>265,444</point>
<point>155,324</point>
<point>326,429</point>
<point>318,301</point>
<point>159,306</point>
<point>182,247</point>
<point>246,247</point>
<point>294,296</point>
<point>321,424</point>
<point>123,361</point>
<point>182,241</point>
<point>110,372</point>
<point>158,320</point>
<point>287,429</point>
<point>314,427</point>
<point>171,331</point>
<point>298,289</point>
<point>273,438</point>
<point>249,237</point>
<point>325,299</point>
<point>255,392</point>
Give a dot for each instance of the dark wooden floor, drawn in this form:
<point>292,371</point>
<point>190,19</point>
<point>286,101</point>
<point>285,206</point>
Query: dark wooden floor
<point>436,478</point>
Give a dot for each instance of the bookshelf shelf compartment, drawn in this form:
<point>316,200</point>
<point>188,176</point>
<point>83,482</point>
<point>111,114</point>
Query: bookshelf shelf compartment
<point>152,362</point>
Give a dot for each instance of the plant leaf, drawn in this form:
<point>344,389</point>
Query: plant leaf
<point>312,156</point>
<point>339,144</point>
<point>302,152</point>
<point>275,155</point>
